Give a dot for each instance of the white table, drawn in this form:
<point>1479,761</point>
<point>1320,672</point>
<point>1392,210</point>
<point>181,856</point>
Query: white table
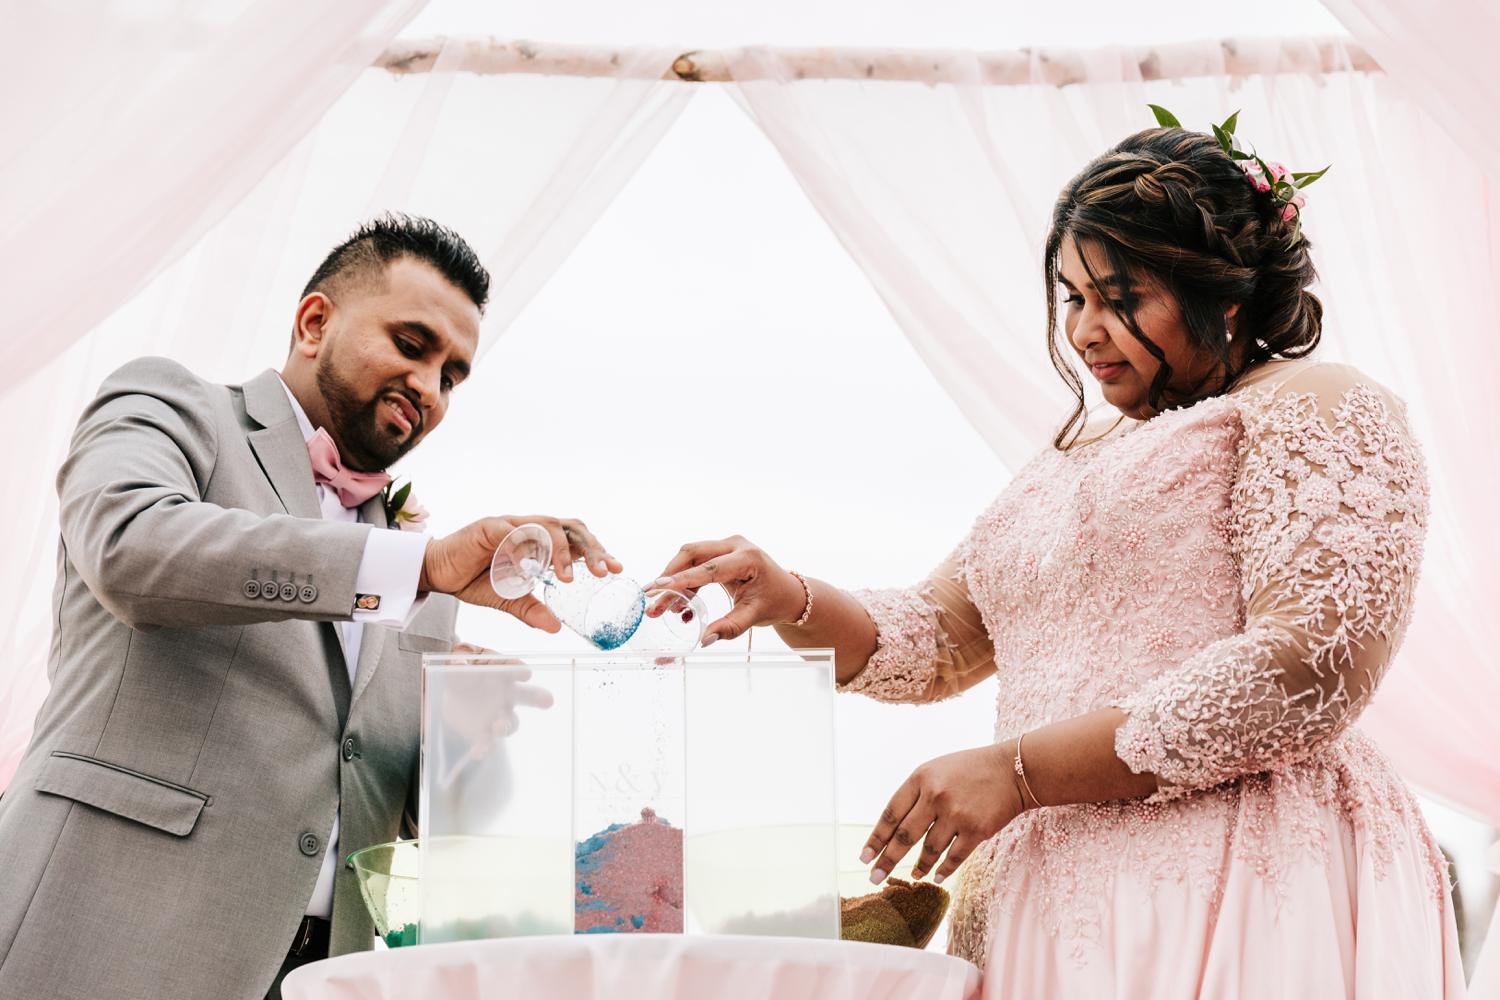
<point>639,967</point>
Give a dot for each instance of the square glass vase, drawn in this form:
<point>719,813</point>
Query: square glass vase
<point>613,792</point>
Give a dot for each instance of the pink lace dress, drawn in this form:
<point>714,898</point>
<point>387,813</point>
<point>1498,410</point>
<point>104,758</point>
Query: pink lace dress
<point>1236,576</point>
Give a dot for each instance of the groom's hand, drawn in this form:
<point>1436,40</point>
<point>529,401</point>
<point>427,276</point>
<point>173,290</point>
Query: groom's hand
<point>459,564</point>
<point>487,720</point>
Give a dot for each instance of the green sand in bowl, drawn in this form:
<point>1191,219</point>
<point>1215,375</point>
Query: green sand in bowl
<point>481,929</point>
<point>398,937</point>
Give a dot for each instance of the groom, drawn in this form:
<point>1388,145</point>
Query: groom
<point>236,660</point>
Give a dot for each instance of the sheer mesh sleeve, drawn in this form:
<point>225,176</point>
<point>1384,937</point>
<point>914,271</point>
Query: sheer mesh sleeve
<point>1329,516</point>
<point>932,643</point>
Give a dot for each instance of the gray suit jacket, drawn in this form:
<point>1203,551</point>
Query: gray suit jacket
<point>167,824</point>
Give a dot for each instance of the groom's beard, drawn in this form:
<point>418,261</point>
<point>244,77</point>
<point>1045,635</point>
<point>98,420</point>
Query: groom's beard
<point>365,432</point>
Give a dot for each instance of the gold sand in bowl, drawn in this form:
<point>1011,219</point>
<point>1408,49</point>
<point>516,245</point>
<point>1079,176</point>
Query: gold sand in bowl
<point>902,913</point>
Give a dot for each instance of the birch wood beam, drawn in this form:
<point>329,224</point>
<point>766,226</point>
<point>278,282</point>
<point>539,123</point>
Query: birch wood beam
<point>1019,67</point>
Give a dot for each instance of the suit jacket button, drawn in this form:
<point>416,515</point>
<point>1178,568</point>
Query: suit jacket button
<point>270,590</point>
<point>309,844</point>
<point>288,591</point>
<point>308,594</point>
<point>252,589</point>
<point>349,748</point>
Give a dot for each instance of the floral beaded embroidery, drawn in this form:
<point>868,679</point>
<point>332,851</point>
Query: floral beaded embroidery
<point>1329,518</point>
<point>901,667</point>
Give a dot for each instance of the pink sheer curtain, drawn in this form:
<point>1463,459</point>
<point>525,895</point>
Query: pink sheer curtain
<point>520,164</point>
<point>131,128</point>
<point>1441,52</point>
<point>942,190</point>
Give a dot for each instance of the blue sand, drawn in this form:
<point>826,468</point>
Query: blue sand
<point>613,635</point>
<point>588,856</point>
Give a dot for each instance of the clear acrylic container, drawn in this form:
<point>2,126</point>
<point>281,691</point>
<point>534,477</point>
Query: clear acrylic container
<point>605,792</point>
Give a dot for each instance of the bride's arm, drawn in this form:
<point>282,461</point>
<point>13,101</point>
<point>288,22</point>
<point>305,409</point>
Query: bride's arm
<point>1330,512</point>
<point>953,804</point>
<point>931,642</point>
<point>840,624</point>
<point>1329,516</point>
<point>915,644</point>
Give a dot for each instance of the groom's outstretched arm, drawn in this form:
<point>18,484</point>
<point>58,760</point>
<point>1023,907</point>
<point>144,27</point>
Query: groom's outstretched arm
<point>153,552</point>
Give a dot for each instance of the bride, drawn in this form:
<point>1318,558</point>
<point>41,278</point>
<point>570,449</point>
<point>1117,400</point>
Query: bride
<point>1187,600</point>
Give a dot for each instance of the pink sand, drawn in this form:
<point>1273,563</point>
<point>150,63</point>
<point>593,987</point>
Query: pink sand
<point>629,878</point>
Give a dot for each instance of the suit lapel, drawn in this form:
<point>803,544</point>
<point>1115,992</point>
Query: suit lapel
<point>338,670</point>
<point>372,511</point>
<point>279,447</point>
<point>282,453</point>
<point>372,643</point>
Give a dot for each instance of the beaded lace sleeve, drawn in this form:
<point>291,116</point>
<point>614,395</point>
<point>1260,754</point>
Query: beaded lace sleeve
<point>1328,518</point>
<point>931,644</point>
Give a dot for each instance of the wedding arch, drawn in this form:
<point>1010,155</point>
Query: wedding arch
<point>172,200</point>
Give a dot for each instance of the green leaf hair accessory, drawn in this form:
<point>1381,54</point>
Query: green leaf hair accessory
<point>1267,176</point>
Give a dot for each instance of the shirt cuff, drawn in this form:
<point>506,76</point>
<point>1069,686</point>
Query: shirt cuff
<point>385,585</point>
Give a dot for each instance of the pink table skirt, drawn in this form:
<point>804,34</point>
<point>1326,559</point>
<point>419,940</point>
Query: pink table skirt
<point>640,967</point>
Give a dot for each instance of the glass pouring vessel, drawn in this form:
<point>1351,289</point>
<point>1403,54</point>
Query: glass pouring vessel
<point>611,612</point>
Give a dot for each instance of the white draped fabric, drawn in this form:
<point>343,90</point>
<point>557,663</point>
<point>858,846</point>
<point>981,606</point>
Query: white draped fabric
<point>942,192</point>
<point>521,164</point>
<point>918,186</point>
<point>131,128</point>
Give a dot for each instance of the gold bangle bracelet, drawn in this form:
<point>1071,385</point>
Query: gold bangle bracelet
<point>1021,773</point>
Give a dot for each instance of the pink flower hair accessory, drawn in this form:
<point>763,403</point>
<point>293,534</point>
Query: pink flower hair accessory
<point>1268,177</point>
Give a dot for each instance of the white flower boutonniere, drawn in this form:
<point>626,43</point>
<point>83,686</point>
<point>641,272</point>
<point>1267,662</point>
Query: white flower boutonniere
<point>402,511</point>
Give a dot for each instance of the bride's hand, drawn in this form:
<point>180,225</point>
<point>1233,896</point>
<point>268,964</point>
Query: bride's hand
<point>953,804</point>
<point>763,592</point>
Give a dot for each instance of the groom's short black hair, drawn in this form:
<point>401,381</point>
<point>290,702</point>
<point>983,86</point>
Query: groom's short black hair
<point>393,235</point>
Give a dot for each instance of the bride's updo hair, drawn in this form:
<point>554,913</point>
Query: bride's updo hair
<point>1168,205</point>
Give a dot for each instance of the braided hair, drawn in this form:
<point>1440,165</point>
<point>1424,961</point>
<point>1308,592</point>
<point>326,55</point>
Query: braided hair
<point>1168,204</point>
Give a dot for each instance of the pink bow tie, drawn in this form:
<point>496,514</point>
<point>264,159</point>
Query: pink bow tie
<point>353,488</point>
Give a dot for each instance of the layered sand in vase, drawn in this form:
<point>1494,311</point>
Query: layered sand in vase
<point>628,878</point>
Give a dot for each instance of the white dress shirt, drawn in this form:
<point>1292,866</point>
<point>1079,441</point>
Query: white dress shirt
<point>391,566</point>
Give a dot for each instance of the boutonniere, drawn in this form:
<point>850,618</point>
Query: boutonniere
<point>401,508</point>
